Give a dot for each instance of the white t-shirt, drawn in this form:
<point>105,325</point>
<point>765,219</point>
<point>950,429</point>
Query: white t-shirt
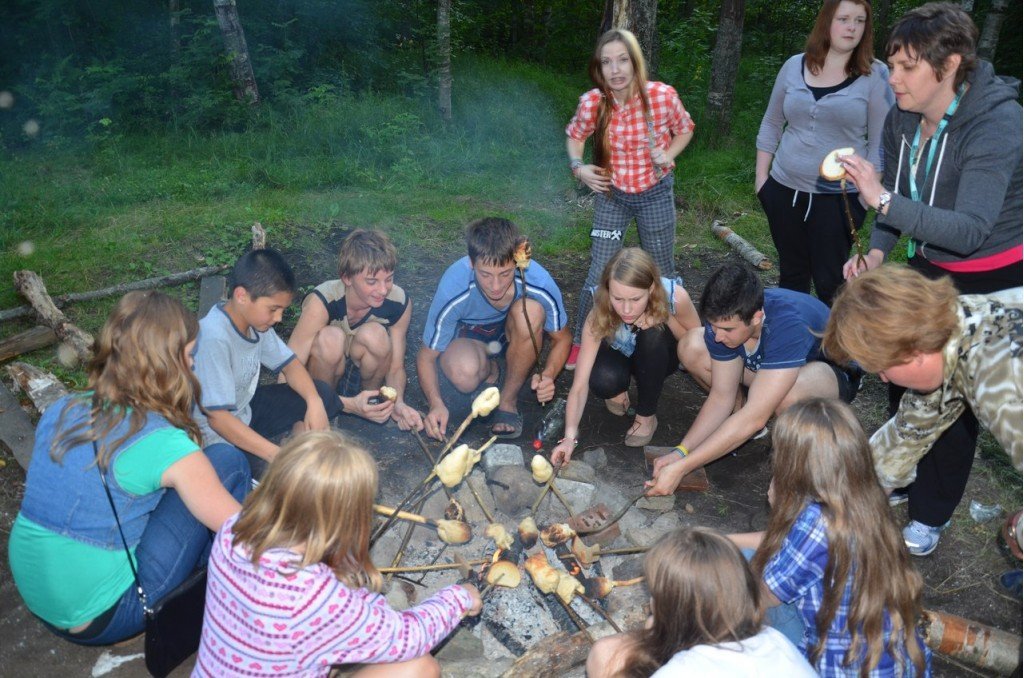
<point>768,654</point>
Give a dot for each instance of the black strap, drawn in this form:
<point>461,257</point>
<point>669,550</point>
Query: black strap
<point>138,584</point>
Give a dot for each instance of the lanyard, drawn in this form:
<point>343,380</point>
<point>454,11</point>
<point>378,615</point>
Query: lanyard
<point>915,194</point>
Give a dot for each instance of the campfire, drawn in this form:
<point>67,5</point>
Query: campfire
<point>532,551</point>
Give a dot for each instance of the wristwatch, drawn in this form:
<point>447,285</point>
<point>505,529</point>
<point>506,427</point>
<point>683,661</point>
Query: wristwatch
<point>575,164</point>
<point>883,201</point>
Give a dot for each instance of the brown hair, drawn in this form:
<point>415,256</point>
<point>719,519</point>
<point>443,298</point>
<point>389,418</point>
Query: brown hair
<point>702,592</point>
<point>818,42</point>
<point>632,267</point>
<point>492,241</point>
<point>602,150</point>
<point>883,317</point>
<point>934,32</point>
<point>369,251</point>
<point>821,455</point>
<point>317,493</point>
<point>139,367</point>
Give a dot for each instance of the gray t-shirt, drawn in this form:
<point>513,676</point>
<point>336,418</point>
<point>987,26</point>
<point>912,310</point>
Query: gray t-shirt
<point>227,365</point>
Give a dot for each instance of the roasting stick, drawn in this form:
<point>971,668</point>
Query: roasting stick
<point>601,611</point>
<point>430,458</point>
<point>573,615</point>
<point>430,568</point>
<point>611,552</point>
<point>405,541</point>
<point>550,485</point>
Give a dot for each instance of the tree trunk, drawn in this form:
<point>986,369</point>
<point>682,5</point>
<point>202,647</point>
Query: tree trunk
<point>880,9</point>
<point>444,58</point>
<point>174,11</point>
<point>990,30</point>
<point>639,17</point>
<point>238,51</point>
<point>725,62</point>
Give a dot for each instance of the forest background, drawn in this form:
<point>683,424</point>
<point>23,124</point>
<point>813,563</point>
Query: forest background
<point>125,152</point>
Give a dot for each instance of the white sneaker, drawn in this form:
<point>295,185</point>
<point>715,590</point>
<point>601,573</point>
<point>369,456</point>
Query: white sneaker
<point>921,539</point>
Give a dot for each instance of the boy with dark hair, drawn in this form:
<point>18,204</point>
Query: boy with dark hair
<point>235,338</point>
<point>352,331</point>
<point>764,340</point>
<point>477,314</point>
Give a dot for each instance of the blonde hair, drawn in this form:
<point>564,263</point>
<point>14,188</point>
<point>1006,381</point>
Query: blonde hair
<point>318,493</point>
<point>602,148</point>
<point>369,251</point>
<point>883,317</point>
<point>139,367</point>
<point>822,455</point>
<point>632,267</point>
<point>703,593</point>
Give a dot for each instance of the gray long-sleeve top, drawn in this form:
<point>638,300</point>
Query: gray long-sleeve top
<point>970,206</point>
<point>800,131</point>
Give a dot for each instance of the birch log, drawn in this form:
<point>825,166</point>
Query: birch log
<point>741,246</point>
<point>31,286</point>
<point>41,387</point>
<point>972,642</point>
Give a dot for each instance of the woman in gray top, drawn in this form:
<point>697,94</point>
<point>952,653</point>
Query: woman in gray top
<point>834,95</point>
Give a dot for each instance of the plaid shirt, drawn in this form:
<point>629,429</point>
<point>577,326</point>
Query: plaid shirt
<point>632,169</point>
<point>797,574</point>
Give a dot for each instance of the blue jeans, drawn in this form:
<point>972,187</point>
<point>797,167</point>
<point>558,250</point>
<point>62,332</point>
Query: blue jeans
<point>174,544</point>
<point>784,618</point>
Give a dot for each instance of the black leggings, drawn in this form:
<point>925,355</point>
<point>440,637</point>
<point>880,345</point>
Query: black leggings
<point>652,361</point>
<point>942,474</point>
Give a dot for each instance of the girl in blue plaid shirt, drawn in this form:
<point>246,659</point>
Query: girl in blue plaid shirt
<point>832,549</point>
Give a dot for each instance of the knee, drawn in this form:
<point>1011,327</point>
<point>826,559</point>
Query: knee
<point>464,369</point>
<point>602,660</point>
<point>374,339</point>
<point>516,327</point>
<point>693,353</point>
<point>232,468</point>
<point>329,346</point>
<point>607,382</point>
<point>421,667</point>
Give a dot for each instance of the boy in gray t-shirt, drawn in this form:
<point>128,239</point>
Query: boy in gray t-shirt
<point>235,338</point>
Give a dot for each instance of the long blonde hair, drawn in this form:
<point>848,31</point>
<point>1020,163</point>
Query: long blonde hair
<point>822,455</point>
<point>703,593</point>
<point>632,267</point>
<point>139,366</point>
<point>318,493</point>
<point>602,148</point>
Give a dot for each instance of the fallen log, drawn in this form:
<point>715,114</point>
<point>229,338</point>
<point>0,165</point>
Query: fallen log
<point>17,433</point>
<point>31,286</point>
<point>42,388</point>
<point>552,656</point>
<point>969,641</point>
<point>741,246</point>
<point>169,280</point>
<point>27,341</point>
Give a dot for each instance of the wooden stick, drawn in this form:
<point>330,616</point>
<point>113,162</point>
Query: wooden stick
<point>430,568</point>
<point>404,515</point>
<point>26,342</point>
<point>741,246</point>
<point>430,458</point>
<point>170,280</point>
<point>561,498</point>
<point>573,615</point>
<point>547,486</point>
<point>405,542</point>
<point>601,611</point>
<point>612,552</point>
<point>31,286</point>
<point>614,519</point>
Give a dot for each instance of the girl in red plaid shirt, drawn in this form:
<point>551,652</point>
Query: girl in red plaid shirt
<point>639,128</point>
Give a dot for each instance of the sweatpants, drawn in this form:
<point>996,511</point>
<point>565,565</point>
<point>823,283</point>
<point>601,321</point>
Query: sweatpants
<point>812,235</point>
<point>655,214</point>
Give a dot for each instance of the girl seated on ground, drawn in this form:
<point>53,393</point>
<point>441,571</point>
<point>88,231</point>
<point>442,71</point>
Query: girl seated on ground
<point>833,550</point>
<point>706,618</point>
<point>632,331</point>
<point>291,584</point>
<point>133,426</point>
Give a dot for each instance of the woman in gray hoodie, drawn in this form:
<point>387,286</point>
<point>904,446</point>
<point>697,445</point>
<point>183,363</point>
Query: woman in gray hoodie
<point>952,185</point>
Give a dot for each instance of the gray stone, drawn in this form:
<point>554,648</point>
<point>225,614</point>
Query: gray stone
<point>611,496</point>
<point>461,646</point>
<point>629,605</point>
<point>633,520</point>
<point>596,457</point>
<point>630,567</point>
<point>643,537</point>
<point>578,471</point>
<point>501,454</point>
<point>469,503</point>
<point>659,504</point>
<point>513,489</point>
<point>667,522</point>
<point>579,495</point>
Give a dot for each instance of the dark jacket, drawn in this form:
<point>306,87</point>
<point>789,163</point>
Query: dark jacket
<point>971,205</point>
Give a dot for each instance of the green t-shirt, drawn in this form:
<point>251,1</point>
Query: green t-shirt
<point>67,582</point>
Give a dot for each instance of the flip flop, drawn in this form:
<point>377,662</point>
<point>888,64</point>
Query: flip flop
<point>513,419</point>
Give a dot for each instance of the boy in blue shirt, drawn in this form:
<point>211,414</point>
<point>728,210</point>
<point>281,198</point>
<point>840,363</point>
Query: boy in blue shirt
<point>765,340</point>
<point>235,338</point>
<point>476,315</point>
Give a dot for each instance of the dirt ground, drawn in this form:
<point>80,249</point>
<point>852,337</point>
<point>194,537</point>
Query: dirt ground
<point>961,576</point>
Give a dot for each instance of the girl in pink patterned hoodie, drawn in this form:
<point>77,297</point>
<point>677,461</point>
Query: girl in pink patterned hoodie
<point>291,588</point>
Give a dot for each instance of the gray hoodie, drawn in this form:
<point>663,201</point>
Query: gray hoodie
<point>971,205</point>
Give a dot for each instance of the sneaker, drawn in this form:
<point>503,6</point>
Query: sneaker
<point>920,539</point>
<point>899,496</point>
<point>574,353</point>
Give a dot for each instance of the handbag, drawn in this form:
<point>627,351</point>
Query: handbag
<point>175,623</point>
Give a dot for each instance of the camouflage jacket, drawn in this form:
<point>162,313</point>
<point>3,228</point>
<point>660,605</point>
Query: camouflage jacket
<point>982,371</point>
